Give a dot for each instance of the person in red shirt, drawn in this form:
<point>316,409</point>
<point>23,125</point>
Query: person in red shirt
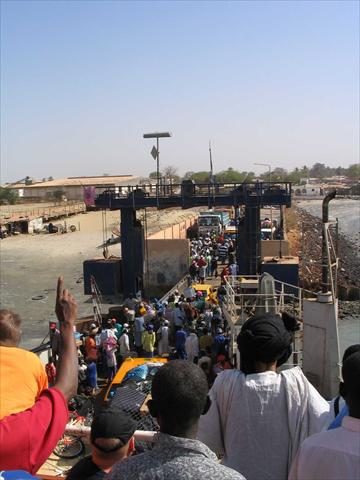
<point>201,262</point>
<point>224,274</point>
<point>50,370</point>
<point>220,239</point>
<point>27,438</point>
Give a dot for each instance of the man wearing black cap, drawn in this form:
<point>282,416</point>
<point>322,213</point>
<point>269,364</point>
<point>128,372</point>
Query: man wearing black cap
<point>111,439</point>
<point>259,417</point>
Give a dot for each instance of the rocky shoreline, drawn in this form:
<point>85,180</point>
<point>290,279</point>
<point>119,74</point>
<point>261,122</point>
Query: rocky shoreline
<point>349,310</point>
<point>307,244</point>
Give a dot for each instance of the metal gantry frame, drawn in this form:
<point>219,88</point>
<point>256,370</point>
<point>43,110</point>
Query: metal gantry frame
<point>188,194</point>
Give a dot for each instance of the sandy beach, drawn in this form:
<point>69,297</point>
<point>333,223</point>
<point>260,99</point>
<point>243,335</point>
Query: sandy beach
<point>30,265</point>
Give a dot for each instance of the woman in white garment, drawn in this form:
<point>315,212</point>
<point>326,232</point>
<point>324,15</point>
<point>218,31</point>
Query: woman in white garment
<point>124,344</point>
<point>192,346</point>
<point>259,417</point>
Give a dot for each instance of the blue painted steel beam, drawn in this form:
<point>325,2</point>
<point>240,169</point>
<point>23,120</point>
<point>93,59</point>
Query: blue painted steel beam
<point>252,194</point>
<point>187,195</point>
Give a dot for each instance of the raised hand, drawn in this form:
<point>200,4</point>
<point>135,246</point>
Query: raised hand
<point>66,306</point>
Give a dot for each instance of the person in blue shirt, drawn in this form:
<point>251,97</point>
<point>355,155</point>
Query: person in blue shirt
<point>220,342</point>
<point>180,339</point>
<point>344,411</point>
<point>91,374</point>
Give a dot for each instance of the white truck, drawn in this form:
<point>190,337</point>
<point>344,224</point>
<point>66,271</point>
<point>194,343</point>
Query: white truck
<point>213,221</point>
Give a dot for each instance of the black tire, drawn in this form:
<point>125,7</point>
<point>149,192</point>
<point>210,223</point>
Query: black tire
<point>69,446</point>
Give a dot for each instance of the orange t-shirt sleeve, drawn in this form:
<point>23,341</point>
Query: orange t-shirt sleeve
<point>43,380</point>
<point>22,379</point>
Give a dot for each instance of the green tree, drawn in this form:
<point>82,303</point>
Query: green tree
<point>353,171</point>
<point>303,174</point>
<point>295,176</point>
<point>8,195</point>
<point>58,194</point>
<point>231,176</point>
<point>200,177</point>
<point>153,175</point>
<point>248,176</point>
<point>319,170</point>
<point>188,175</point>
<point>277,175</point>
<point>170,173</point>
<point>340,171</point>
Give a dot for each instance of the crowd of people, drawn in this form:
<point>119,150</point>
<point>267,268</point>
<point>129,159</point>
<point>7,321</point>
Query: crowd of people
<point>188,327</point>
<point>261,422</point>
<point>208,253</point>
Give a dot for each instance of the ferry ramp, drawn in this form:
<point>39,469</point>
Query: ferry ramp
<point>245,297</point>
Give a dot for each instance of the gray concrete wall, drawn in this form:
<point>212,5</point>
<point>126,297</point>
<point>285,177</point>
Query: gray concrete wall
<point>168,262</point>
<point>75,192</point>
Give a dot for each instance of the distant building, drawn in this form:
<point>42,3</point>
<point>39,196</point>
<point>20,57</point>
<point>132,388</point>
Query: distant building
<point>73,188</point>
<point>309,190</point>
<point>312,180</point>
<point>18,187</point>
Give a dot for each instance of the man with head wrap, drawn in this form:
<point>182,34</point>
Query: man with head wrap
<point>258,417</point>
<point>264,340</point>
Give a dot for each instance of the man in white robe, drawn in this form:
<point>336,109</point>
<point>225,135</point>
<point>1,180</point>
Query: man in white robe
<point>163,345</point>
<point>258,417</point>
<point>192,346</point>
<point>335,454</point>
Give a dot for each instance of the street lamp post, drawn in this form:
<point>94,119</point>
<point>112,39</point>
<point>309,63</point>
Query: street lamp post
<point>157,135</point>
<point>271,218</point>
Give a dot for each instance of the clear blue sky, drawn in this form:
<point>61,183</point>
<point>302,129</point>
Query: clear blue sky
<point>81,81</point>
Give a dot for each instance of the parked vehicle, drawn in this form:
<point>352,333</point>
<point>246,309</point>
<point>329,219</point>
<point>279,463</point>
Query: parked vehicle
<point>213,221</point>
<point>230,232</point>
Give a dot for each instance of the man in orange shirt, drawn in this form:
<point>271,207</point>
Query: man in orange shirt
<point>27,438</point>
<point>22,376</point>
<point>91,350</point>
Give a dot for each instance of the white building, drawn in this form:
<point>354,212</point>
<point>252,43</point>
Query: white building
<point>308,190</point>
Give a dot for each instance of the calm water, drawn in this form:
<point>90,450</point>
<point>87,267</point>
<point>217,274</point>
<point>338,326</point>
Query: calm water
<point>348,213</point>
